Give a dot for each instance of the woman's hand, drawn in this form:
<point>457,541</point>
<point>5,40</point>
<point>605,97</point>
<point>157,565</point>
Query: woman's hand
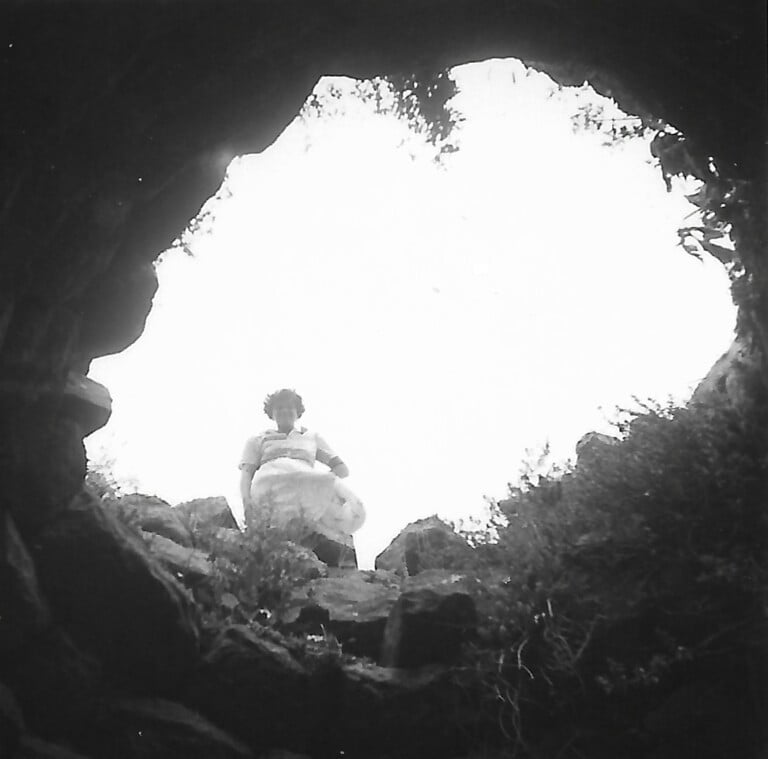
<point>340,470</point>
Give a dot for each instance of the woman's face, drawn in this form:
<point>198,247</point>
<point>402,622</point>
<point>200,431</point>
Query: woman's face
<point>285,415</point>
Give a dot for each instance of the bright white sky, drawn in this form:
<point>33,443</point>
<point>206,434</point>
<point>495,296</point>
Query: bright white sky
<point>437,321</point>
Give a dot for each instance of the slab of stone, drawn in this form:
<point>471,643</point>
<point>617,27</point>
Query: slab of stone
<point>87,401</point>
<point>189,564</point>
<point>432,619</point>
<point>115,599</point>
<point>353,605</point>
<point>23,610</point>
<point>206,514</point>
<point>153,514</point>
<point>255,689</point>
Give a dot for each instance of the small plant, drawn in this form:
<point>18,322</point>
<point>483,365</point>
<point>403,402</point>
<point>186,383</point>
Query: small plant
<point>255,573</point>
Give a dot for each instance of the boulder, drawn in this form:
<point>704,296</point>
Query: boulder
<point>426,544</point>
<point>255,689</point>
<point>591,446</point>
<point>188,564</point>
<point>430,622</point>
<point>114,599</point>
<point>153,514</point>
<point>206,515</point>
<point>157,729</point>
<point>87,402</point>
<point>59,688</point>
<point>736,377</point>
<point>408,714</point>
<point>23,611</point>
<point>30,436</point>
<point>351,605</point>
<point>11,722</point>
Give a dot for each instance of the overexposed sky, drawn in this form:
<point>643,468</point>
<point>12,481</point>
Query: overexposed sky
<point>438,321</point>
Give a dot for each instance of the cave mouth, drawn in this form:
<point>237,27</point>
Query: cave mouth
<point>508,295</point>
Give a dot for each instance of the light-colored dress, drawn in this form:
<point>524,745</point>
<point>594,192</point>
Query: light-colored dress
<point>287,491</point>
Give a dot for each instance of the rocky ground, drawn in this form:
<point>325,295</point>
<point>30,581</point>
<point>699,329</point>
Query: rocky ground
<point>122,638</point>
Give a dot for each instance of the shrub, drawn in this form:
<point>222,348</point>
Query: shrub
<point>632,575</point>
<point>255,573</point>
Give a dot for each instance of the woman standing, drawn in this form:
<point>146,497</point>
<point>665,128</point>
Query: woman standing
<point>280,486</point>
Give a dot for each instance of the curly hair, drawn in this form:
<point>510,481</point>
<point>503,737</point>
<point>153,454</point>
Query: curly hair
<point>284,394</point>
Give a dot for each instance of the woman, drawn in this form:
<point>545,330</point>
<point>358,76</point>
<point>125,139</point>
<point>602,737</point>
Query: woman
<point>280,487</point>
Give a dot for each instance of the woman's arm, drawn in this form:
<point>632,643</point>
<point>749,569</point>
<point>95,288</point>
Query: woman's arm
<point>246,478</point>
<point>326,455</point>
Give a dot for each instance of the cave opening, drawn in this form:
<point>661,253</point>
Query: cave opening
<point>441,312</point>
<point>620,614</point>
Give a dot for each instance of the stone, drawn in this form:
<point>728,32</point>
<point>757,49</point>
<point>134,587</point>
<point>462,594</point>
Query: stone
<point>352,605</point>
<point>87,402</point>
<point>188,564</point>
<point>153,514</point>
<point>253,688</point>
<point>430,622</point>
<point>156,729</point>
<point>591,446</point>
<point>736,377</point>
<point>31,433</point>
<point>206,515</point>
<point>426,544</point>
<point>11,722</point>
<point>23,610</point>
<point>60,689</point>
<point>408,714</point>
<point>115,599</point>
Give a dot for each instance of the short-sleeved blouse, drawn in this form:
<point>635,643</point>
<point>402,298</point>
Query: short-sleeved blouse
<point>299,444</point>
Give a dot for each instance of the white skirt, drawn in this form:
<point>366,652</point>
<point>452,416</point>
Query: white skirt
<point>287,492</point>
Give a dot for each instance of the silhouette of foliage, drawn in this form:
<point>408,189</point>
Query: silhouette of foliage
<point>635,578</point>
<point>421,100</point>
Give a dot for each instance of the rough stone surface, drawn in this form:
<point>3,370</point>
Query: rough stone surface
<point>352,605</point>
<point>423,709</point>
<point>254,689</point>
<point>32,433</point>
<point>153,514</point>
<point>735,376</point>
<point>188,564</point>
<point>114,599</point>
<point>158,729</point>
<point>425,544</point>
<point>23,611</point>
<point>207,514</point>
<point>86,401</point>
<point>60,689</point>
<point>429,623</point>
<point>11,722</point>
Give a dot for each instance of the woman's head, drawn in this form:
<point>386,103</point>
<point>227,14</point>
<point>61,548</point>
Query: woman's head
<point>284,407</point>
